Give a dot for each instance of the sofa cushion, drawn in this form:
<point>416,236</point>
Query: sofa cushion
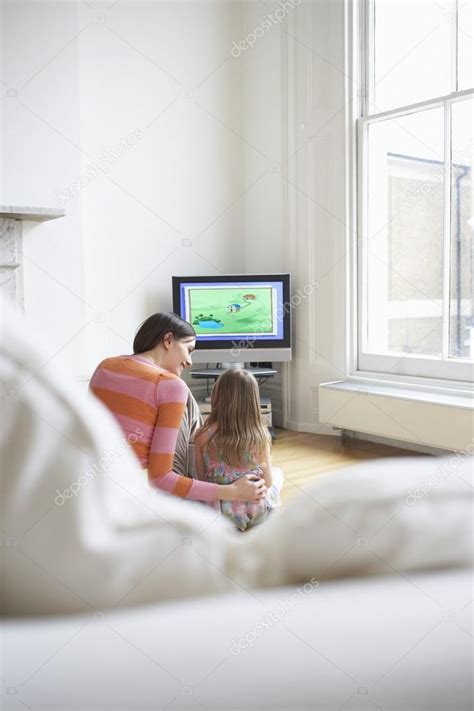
<point>377,517</point>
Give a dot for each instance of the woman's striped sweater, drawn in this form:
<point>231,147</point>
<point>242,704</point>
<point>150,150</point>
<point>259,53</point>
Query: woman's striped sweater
<point>148,403</point>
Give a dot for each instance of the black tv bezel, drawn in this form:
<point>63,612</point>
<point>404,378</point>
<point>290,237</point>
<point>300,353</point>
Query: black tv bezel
<point>284,342</point>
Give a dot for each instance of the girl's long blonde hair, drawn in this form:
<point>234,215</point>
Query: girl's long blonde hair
<point>236,416</point>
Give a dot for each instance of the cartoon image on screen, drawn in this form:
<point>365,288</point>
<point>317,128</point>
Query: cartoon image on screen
<point>233,310</point>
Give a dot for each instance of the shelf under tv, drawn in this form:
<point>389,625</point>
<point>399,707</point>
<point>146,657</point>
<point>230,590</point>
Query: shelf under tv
<point>214,373</point>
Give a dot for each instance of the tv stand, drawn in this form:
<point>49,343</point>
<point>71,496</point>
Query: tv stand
<point>214,373</point>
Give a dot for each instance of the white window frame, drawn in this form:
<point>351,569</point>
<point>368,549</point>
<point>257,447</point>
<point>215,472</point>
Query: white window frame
<point>407,368</point>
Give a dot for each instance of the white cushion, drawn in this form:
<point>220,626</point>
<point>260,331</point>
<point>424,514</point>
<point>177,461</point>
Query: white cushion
<point>377,517</point>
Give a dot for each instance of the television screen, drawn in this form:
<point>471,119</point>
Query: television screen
<point>234,309</point>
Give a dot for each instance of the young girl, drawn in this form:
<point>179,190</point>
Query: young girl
<point>234,442</point>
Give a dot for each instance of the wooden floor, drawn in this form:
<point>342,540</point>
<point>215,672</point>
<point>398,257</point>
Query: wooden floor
<point>303,457</point>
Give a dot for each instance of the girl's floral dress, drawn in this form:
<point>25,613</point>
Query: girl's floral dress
<point>243,514</point>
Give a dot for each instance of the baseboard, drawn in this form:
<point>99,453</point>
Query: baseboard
<point>399,444</point>
<point>364,437</point>
<point>311,428</point>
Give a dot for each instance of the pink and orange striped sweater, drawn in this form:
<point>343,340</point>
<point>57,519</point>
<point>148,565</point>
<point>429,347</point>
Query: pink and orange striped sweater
<point>147,399</point>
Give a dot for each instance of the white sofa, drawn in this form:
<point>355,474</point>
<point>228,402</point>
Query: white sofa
<point>398,642</point>
<point>94,562</point>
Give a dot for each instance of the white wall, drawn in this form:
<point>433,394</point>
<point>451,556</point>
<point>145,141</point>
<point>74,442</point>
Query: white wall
<point>40,144</point>
<point>239,166</point>
<point>263,128</point>
<point>169,205</point>
<point>89,75</point>
<point>295,216</point>
<point>317,236</point>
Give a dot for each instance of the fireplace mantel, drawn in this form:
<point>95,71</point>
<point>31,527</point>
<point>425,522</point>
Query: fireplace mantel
<point>33,214</point>
<point>11,270</point>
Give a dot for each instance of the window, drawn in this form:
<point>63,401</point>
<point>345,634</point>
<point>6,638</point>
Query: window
<point>415,189</point>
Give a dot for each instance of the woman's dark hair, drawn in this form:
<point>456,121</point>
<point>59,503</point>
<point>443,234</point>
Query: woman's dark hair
<point>152,331</point>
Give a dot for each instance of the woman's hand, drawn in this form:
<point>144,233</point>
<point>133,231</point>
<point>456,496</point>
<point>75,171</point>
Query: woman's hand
<point>247,488</point>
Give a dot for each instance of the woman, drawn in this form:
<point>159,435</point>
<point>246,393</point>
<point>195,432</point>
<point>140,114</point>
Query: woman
<point>145,393</point>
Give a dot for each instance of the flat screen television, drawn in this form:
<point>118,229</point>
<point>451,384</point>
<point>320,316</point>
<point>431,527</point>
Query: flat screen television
<point>237,317</point>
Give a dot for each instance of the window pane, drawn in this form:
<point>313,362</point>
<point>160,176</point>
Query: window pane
<point>412,48</point>
<point>462,225</point>
<point>465,41</point>
<point>405,234</point>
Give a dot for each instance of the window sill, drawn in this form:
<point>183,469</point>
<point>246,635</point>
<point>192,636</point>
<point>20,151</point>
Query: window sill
<point>440,396</point>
